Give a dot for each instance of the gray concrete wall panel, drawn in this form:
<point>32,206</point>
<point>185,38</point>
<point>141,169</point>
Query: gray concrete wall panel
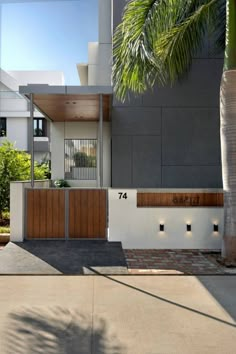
<point>191,136</point>
<point>200,88</point>
<point>131,100</point>
<point>191,177</point>
<point>41,146</point>
<point>122,161</point>
<point>146,161</point>
<point>136,121</point>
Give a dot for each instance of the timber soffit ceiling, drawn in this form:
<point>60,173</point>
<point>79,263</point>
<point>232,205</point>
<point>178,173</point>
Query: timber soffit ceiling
<point>70,103</point>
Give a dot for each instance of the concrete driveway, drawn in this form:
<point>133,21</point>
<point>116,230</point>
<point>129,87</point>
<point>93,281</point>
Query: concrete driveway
<point>63,257</point>
<point>118,314</point>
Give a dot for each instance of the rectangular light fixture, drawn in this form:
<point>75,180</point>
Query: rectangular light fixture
<point>188,227</point>
<point>162,227</point>
<point>215,227</point>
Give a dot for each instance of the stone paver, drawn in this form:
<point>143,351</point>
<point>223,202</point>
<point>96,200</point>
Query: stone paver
<point>141,261</point>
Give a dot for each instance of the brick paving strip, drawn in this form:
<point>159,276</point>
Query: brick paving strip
<point>194,262</point>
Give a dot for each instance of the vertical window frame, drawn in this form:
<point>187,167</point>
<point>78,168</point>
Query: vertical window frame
<point>3,127</point>
<point>88,164</point>
<point>44,130</point>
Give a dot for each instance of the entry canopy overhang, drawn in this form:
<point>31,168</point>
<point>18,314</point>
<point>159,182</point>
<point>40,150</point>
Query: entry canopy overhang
<point>70,103</point>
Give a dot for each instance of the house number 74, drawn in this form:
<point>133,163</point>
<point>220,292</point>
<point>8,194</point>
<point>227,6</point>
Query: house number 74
<point>122,195</point>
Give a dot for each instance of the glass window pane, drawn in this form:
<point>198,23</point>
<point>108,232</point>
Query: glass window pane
<point>81,159</point>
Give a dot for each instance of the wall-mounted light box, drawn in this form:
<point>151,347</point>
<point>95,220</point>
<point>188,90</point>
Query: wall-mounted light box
<point>188,227</point>
<point>162,227</point>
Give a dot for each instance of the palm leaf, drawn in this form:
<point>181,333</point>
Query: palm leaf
<point>157,39</point>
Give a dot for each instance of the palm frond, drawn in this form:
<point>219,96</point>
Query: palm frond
<point>157,39</point>
<point>134,66</point>
<point>176,47</point>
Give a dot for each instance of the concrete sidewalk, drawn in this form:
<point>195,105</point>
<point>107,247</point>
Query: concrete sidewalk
<point>118,314</point>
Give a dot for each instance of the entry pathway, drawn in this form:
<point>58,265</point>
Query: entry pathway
<point>172,262</point>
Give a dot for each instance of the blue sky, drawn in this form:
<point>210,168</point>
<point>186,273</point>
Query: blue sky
<point>50,35</point>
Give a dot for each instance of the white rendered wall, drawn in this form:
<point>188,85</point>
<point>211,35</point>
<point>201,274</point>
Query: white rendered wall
<point>17,131</point>
<point>139,227</point>
<point>25,77</point>
<point>100,53</point>
<point>13,104</point>
<point>79,130</point>
<point>105,22</point>
<point>17,208</point>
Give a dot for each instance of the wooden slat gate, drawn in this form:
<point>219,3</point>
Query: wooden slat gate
<point>66,214</point>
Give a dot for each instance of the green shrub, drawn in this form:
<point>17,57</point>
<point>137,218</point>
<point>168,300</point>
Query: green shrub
<point>81,159</point>
<point>61,183</point>
<point>15,165</point>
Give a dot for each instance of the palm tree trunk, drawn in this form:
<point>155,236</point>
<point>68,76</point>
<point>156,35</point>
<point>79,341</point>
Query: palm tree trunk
<point>228,157</point>
<point>228,134</point>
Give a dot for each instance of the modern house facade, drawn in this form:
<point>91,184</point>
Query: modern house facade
<point>14,111</point>
<point>153,160</point>
<point>166,138</point>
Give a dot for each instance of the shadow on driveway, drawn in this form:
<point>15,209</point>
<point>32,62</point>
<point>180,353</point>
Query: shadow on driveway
<point>58,331</point>
<point>63,257</point>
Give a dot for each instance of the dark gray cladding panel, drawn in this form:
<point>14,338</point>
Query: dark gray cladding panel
<point>191,177</point>
<point>147,161</point>
<point>191,136</point>
<point>201,87</point>
<point>41,146</point>
<point>118,6</point>
<point>121,161</point>
<point>131,100</point>
<point>136,121</point>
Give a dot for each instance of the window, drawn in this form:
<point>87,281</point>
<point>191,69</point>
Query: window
<point>81,159</point>
<point>3,127</point>
<point>39,127</point>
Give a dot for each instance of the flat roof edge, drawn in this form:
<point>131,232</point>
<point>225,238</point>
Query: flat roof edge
<point>75,90</point>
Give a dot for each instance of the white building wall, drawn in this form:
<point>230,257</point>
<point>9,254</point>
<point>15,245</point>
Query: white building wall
<point>100,53</point>
<point>57,150</point>
<point>25,77</point>
<point>139,227</point>
<point>17,132</point>
<point>105,21</point>
<point>78,130</point>
<point>13,104</point>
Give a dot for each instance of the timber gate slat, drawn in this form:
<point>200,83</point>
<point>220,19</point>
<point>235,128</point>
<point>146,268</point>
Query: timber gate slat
<point>89,210</point>
<point>45,214</point>
<point>45,217</point>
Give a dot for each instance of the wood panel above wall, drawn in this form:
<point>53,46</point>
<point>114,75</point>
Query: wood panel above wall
<point>72,108</point>
<point>153,199</point>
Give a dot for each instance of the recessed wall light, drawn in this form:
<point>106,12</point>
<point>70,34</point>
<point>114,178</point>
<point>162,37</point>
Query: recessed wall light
<point>162,227</point>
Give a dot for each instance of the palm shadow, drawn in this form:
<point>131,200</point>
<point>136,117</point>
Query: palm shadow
<point>58,331</point>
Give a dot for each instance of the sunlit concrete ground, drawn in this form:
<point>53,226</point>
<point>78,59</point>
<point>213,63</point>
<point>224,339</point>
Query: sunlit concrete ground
<point>117,314</point>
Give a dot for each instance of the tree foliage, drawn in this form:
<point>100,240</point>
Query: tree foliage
<point>15,165</point>
<point>157,39</point>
